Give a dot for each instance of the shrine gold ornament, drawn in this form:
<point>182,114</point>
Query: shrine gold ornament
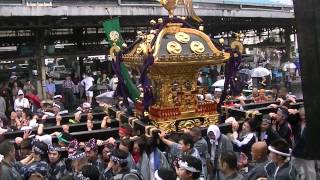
<point>197,47</point>
<point>142,49</point>
<point>170,6</point>
<point>160,20</point>
<point>174,47</point>
<point>153,22</point>
<point>113,51</point>
<point>201,28</point>
<point>150,38</point>
<point>221,41</point>
<point>237,45</point>
<point>182,37</point>
<point>114,36</point>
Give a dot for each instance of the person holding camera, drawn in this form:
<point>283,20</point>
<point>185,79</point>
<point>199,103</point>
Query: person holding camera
<point>266,132</point>
<point>281,124</point>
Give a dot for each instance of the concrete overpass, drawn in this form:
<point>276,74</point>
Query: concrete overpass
<point>80,21</point>
<point>68,20</point>
<point>203,8</point>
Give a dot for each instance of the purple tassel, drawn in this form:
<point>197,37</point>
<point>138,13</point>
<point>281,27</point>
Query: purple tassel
<point>146,83</point>
<point>121,88</point>
<point>231,68</point>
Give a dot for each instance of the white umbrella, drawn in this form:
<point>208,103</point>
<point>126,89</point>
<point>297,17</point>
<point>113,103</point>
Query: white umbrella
<point>219,83</point>
<point>245,71</point>
<point>288,65</point>
<point>260,72</point>
<point>106,97</point>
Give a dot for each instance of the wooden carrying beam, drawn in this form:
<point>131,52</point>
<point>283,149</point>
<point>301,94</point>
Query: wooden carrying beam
<point>97,134</point>
<point>72,128</point>
<point>265,104</point>
<point>97,115</point>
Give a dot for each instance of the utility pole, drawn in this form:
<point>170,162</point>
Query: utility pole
<point>307,13</point>
<point>40,61</point>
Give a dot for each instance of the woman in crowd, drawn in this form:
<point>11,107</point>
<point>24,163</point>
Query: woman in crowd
<point>217,143</point>
<point>103,83</point>
<point>21,101</point>
<point>15,89</point>
<point>245,139</point>
<point>126,146</point>
<point>29,88</point>
<point>151,158</point>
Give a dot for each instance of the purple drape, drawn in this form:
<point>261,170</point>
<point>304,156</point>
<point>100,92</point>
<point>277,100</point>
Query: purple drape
<point>231,68</point>
<point>116,64</point>
<point>146,83</point>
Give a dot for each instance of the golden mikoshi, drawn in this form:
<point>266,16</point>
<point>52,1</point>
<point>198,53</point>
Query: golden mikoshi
<point>178,52</point>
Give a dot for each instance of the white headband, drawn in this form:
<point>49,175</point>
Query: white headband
<point>56,105</point>
<point>185,166</point>
<point>57,96</point>
<point>1,158</point>
<point>278,152</point>
<point>38,150</point>
<point>156,176</point>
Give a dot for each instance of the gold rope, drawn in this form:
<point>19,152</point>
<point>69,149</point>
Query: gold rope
<point>171,5</point>
<point>190,11</point>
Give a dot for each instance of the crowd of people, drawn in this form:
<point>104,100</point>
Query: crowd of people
<point>18,93</point>
<point>271,149</point>
<point>276,76</point>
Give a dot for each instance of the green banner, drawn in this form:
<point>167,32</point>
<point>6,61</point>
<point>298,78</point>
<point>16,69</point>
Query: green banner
<point>112,30</point>
<point>133,91</point>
